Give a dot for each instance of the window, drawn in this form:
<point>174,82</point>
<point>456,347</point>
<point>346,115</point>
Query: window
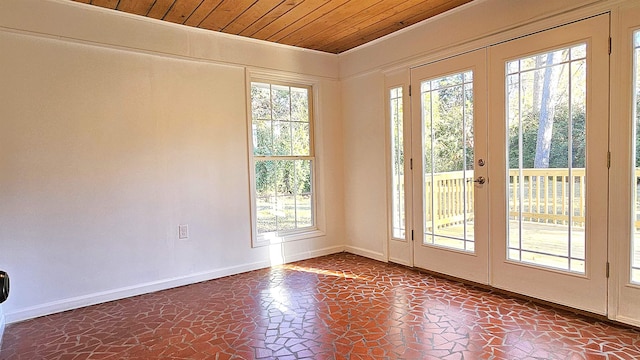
<point>447,111</point>
<point>547,107</point>
<point>397,165</point>
<point>283,159</point>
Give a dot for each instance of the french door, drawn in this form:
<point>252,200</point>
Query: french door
<point>510,172</point>
<point>449,132</point>
<point>549,177</point>
<point>625,191</point>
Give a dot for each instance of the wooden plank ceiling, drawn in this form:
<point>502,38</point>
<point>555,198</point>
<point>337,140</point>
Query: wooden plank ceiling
<point>331,26</point>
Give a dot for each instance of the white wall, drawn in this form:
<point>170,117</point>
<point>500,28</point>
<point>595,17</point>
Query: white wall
<point>365,167</point>
<point>113,131</point>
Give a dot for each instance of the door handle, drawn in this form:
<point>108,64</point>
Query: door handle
<point>480,180</point>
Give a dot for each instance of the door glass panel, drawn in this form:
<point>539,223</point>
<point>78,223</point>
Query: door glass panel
<point>635,253</point>
<point>397,165</point>
<point>546,111</point>
<point>447,117</point>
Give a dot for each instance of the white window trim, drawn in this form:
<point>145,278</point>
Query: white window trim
<point>259,75</point>
<point>399,250</point>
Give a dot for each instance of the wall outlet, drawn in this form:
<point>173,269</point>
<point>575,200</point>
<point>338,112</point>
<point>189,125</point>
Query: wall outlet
<point>183,231</point>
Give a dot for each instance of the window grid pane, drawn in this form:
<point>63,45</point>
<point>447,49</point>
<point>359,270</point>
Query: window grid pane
<point>283,162</point>
<point>397,164</point>
<point>546,114</point>
<point>448,144</point>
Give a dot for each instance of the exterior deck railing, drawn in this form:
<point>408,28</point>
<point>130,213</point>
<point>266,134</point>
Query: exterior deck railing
<point>539,195</point>
<point>448,199</point>
<point>544,195</point>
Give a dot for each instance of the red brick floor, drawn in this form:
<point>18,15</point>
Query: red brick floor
<point>335,307</point>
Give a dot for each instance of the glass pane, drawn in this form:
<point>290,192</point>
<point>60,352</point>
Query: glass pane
<point>299,104</point>
<point>285,177</point>
<point>281,102</point>
<point>635,253</point>
<point>304,211</point>
<point>447,113</point>
<point>265,179</point>
<point>283,195</point>
<point>579,52</point>
<point>513,67</point>
<point>303,177</point>
<point>397,165</point>
<point>260,101</point>
<point>286,213</point>
<point>282,138</point>
<point>266,218</point>
<point>447,81</point>
<point>303,191</point>
<point>265,196</point>
<point>300,133</point>
<point>541,61</point>
<point>546,112</point>
<point>262,138</point>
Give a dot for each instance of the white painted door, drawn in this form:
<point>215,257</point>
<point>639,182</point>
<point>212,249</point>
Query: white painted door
<point>625,172</point>
<point>449,139</point>
<point>548,156</point>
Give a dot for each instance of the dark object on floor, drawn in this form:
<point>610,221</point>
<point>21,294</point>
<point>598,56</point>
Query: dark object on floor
<point>4,286</point>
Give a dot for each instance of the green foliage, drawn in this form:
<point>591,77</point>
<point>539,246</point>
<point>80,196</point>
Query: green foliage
<point>558,157</point>
<point>448,133</point>
<point>281,129</point>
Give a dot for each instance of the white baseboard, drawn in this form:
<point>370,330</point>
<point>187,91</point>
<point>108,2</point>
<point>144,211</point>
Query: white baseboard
<point>366,253</point>
<point>125,292</point>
